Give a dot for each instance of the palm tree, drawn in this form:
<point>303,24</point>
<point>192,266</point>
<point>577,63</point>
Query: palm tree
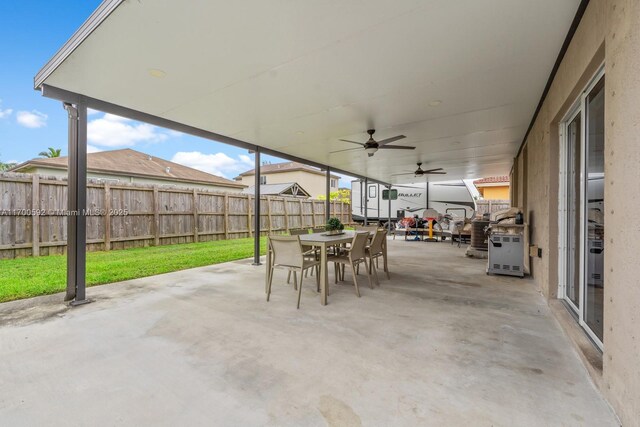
<point>52,152</point>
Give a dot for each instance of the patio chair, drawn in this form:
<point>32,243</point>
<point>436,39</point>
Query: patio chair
<point>317,229</point>
<point>374,251</point>
<point>288,255</point>
<point>354,256</point>
<point>370,228</point>
<point>299,231</point>
<point>309,253</point>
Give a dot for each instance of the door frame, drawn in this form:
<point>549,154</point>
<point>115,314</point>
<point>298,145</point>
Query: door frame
<point>578,107</point>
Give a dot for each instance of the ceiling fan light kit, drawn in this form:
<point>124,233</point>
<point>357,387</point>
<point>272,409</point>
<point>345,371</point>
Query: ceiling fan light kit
<point>372,146</point>
<point>370,150</point>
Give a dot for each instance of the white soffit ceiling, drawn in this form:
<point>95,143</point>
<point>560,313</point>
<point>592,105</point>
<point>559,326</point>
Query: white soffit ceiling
<point>296,76</point>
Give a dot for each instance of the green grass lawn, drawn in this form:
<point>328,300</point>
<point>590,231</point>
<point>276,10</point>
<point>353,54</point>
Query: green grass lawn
<point>29,277</point>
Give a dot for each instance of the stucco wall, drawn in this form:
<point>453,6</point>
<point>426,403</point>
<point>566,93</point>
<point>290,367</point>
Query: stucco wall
<point>495,193</point>
<point>622,199</point>
<point>609,32</point>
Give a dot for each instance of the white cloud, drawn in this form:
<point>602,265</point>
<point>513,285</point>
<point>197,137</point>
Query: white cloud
<point>93,149</point>
<point>217,164</point>
<point>92,112</point>
<point>115,131</point>
<point>31,119</point>
<point>6,112</point>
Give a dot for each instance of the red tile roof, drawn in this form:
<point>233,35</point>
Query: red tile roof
<point>492,180</point>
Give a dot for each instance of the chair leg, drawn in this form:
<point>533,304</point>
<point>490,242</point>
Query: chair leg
<point>386,266</point>
<point>355,278</point>
<point>295,280</point>
<point>375,270</point>
<point>270,281</point>
<point>300,288</point>
<point>317,269</point>
<point>337,274</point>
<point>289,277</point>
<point>366,268</point>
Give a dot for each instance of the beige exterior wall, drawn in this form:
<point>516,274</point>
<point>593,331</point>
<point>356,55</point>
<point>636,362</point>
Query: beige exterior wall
<point>134,179</point>
<point>609,32</point>
<point>495,193</point>
<point>313,183</point>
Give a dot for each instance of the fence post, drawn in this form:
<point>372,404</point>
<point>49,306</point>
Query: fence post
<point>35,219</point>
<point>195,215</point>
<point>269,213</point>
<point>301,214</point>
<point>249,215</point>
<point>313,213</point>
<point>226,217</point>
<point>286,214</point>
<point>156,216</point>
<point>107,217</point>
<point>342,212</point>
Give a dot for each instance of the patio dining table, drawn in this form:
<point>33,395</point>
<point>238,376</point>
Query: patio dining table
<point>323,242</point>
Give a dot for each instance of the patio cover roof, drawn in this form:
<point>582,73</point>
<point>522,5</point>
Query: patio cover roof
<point>460,79</point>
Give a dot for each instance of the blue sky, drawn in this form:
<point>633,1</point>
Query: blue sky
<point>30,33</point>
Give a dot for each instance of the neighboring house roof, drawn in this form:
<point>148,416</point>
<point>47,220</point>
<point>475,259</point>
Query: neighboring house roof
<point>284,167</point>
<point>134,163</point>
<point>291,189</point>
<point>492,181</point>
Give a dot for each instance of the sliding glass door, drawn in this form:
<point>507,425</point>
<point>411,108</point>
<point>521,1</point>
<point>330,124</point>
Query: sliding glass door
<point>594,190</point>
<point>582,209</point>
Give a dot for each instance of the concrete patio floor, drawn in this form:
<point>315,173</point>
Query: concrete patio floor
<point>440,344</point>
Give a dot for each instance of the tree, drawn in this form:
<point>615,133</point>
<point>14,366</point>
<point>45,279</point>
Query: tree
<point>343,195</point>
<point>50,153</point>
<point>6,166</point>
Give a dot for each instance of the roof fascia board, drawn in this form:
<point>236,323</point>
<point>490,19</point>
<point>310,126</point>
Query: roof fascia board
<point>107,107</point>
<point>95,19</point>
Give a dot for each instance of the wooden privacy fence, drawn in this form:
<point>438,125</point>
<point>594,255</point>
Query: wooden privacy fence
<point>491,206</point>
<point>33,215</point>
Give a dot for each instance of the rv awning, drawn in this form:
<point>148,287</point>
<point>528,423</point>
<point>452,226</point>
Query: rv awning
<point>460,79</point>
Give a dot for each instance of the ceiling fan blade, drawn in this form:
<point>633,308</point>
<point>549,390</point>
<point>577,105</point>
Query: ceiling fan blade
<point>346,149</point>
<point>352,142</point>
<point>399,174</point>
<point>434,173</point>
<point>396,147</point>
<point>433,170</point>
<point>388,140</point>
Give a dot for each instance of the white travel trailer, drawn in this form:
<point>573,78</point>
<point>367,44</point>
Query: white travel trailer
<point>446,197</point>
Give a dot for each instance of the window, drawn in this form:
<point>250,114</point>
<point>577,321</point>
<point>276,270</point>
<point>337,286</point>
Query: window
<point>263,180</point>
<point>385,194</point>
<point>334,183</point>
<point>581,205</point>
<point>372,192</point>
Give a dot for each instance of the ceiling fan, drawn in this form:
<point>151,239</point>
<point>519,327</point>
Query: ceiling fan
<point>371,146</point>
<point>420,172</point>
